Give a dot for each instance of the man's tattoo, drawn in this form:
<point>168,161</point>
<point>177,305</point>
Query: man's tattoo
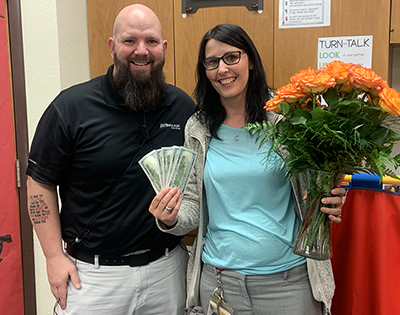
<point>38,209</point>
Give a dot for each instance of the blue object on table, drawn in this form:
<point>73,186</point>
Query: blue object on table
<point>365,181</point>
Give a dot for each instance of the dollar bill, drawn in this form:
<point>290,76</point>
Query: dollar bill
<point>149,164</point>
<point>168,167</point>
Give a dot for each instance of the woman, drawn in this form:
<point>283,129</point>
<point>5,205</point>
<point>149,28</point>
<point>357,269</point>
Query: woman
<point>248,214</point>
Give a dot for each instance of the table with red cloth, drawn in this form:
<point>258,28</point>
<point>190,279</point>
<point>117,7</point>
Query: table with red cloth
<point>366,254</point>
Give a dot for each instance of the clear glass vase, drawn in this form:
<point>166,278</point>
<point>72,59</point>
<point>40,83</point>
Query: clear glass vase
<point>314,240</point>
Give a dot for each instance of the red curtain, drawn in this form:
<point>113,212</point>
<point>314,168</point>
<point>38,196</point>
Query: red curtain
<point>11,292</point>
<point>366,254</point>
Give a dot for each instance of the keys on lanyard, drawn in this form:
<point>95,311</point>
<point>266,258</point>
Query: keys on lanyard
<point>217,301</point>
<point>219,292</point>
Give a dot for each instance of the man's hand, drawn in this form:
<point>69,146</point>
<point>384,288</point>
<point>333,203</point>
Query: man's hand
<point>59,269</point>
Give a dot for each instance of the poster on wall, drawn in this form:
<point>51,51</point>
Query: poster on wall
<point>351,49</point>
<point>304,13</point>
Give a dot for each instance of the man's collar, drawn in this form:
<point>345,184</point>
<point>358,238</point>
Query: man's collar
<point>110,93</point>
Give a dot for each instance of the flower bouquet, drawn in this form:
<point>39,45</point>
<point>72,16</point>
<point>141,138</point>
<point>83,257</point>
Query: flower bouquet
<point>334,121</point>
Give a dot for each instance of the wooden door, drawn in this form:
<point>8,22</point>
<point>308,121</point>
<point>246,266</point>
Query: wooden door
<point>296,48</point>
<point>395,22</point>
<point>101,16</point>
<point>190,30</point>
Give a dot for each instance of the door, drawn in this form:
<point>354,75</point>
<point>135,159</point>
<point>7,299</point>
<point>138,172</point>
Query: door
<point>395,22</point>
<point>11,286</point>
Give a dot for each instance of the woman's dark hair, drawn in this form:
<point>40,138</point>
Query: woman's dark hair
<point>209,108</point>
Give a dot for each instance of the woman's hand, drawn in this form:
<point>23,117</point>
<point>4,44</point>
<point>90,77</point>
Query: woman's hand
<point>336,200</point>
<point>165,205</point>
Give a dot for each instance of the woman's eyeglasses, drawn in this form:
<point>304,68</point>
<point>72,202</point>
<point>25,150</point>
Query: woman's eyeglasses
<point>230,58</point>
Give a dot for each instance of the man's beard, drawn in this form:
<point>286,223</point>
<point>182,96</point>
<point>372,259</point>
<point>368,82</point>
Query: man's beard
<point>140,90</point>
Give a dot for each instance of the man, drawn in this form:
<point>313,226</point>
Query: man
<point>88,144</point>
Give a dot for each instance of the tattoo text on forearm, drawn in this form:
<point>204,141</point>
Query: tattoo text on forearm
<point>38,209</point>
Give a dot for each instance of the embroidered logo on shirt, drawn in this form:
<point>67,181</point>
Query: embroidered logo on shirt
<point>170,126</point>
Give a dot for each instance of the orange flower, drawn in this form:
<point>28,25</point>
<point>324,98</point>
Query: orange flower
<point>317,82</point>
<point>374,91</point>
<point>295,77</point>
<point>338,70</point>
<point>345,87</point>
<point>364,78</point>
<point>304,105</point>
<point>390,101</point>
<point>272,104</point>
<point>290,93</point>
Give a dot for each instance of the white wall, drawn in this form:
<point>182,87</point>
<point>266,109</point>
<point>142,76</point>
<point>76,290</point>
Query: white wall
<point>56,52</point>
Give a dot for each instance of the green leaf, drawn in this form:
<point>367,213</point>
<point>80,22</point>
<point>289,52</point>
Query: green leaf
<point>395,136</point>
<point>319,114</point>
<point>372,111</point>
<point>349,107</point>
<point>331,97</point>
<point>300,117</point>
<point>285,107</point>
<point>250,127</point>
<point>381,136</point>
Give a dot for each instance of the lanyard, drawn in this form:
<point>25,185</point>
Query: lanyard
<point>218,291</point>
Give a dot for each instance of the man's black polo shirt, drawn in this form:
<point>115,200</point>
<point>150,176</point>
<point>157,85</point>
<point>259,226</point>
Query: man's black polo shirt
<point>89,145</point>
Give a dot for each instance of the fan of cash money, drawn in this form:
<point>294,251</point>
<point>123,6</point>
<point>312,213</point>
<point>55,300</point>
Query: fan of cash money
<point>168,167</point>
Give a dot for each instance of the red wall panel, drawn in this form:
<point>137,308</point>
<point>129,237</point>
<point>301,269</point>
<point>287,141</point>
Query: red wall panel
<point>11,289</point>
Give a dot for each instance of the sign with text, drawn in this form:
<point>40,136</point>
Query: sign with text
<point>354,49</point>
<point>304,13</point>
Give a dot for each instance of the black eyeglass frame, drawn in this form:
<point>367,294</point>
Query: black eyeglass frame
<point>222,58</point>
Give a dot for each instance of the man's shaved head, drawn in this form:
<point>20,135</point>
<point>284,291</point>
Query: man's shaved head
<point>135,13</point>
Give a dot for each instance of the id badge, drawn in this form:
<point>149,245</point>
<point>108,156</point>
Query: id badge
<point>217,306</point>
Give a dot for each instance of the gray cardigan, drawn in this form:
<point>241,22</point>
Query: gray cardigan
<point>193,213</point>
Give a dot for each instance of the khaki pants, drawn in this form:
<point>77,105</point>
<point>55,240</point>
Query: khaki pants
<point>157,288</point>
